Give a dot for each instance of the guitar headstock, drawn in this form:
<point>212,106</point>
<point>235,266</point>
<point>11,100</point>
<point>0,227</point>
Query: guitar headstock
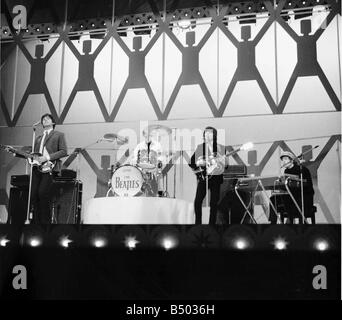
<point>6,148</point>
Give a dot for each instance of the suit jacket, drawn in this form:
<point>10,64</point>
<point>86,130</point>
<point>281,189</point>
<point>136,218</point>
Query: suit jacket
<point>55,145</point>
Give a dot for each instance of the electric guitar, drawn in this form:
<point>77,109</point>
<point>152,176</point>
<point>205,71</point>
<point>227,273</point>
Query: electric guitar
<point>32,159</point>
<point>214,165</point>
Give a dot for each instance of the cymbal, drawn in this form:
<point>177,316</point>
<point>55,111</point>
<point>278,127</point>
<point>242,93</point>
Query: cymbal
<point>119,139</point>
<point>158,127</point>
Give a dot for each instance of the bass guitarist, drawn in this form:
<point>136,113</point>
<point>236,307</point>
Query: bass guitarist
<point>51,146</point>
<point>208,162</point>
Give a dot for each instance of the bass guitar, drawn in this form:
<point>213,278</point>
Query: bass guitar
<point>32,158</point>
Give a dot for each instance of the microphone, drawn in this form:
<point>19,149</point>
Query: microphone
<point>105,139</point>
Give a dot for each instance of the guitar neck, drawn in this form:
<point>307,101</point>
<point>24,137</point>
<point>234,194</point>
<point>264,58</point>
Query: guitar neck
<point>19,152</point>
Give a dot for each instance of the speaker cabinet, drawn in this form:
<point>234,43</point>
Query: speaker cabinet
<point>66,202</point>
<point>17,207</point>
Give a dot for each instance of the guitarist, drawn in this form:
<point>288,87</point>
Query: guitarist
<point>52,145</point>
<point>212,180</point>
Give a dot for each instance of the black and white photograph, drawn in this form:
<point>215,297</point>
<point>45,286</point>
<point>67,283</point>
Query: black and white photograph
<point>170,155</point>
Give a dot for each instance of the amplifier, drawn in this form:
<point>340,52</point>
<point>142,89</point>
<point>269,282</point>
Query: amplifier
<point>235,171</point>
<point>20,180</point>
<point>67,173</point>
<point>17,205</point>
<point>66,201</point>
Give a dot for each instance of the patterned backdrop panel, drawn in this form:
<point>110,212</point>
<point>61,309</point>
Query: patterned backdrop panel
<point>275,82</point>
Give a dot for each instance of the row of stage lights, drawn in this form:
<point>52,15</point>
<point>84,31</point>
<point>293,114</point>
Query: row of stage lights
<point>144,20</point>
<point>238,238</point>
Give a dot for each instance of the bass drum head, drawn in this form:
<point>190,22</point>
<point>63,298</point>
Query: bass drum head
<point>127,181</point>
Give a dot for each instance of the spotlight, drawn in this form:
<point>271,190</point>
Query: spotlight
<point>64,241</point>
<point>280,244</point>
<point>48,28</point>
<point>3,241</point>
<point>99,242</point>
<point>241,244</point>
<point>81,26</point>
<point>5,31</point>
<point>37,29</point>
<point>321,245</point>
<point>168,242</point>
<point>131,242</point>
<point>35,242</point>
<point>93,25</point>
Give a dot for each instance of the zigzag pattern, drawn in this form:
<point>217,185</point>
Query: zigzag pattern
<point>246,68</point>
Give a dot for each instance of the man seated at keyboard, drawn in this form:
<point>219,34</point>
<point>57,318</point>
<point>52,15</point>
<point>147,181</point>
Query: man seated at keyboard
<point>283,202</point>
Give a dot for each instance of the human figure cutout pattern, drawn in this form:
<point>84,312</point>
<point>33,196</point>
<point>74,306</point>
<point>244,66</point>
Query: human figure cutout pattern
<point>103,174</point>
<point>136,76</point>
<point>246,67</point>
<point>307,64</point>
<point>190,74</point>
<point>85,81</point>
<point>37,84</point>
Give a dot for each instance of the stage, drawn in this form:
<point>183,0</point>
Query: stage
<point>196,262</point>
<point>138,210</point>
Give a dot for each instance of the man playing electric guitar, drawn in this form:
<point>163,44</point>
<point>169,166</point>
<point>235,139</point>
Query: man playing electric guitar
<point>52,147</point>
<point>208,162</point>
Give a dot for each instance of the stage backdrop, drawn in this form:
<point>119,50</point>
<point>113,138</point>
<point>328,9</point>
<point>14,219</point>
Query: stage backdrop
<point>274,82</point>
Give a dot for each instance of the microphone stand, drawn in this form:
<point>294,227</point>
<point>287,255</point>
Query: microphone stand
<point>300,158</point>
<point>28,211</point>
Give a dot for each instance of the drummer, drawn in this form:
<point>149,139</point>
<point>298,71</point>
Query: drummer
<point>147,155</point>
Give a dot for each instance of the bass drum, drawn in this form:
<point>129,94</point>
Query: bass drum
<point>127,181</point>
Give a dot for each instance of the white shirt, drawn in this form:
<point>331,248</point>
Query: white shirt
<point>142,146</point>
<point>42,149</point>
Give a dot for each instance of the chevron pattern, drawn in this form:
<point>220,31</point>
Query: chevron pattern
<point>189,54</point>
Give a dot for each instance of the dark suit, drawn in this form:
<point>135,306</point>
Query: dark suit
<point>214,185</point>
<point>42,182</point>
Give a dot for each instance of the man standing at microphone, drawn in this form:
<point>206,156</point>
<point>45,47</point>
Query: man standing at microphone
<point>52,147</point>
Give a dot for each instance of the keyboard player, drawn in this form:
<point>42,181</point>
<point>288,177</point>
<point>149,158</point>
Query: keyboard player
<point>283,202</point>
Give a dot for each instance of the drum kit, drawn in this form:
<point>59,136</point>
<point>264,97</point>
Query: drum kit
<point>144,178</point>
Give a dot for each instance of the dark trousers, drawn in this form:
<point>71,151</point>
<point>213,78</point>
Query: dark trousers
<point>41,192</point>
<point>201,192</point>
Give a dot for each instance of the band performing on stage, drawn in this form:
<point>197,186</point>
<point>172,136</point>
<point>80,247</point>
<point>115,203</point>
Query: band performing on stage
<point>288,196</point>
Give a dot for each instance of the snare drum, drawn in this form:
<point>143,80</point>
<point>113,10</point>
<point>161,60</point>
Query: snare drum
<point>127,181</point>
